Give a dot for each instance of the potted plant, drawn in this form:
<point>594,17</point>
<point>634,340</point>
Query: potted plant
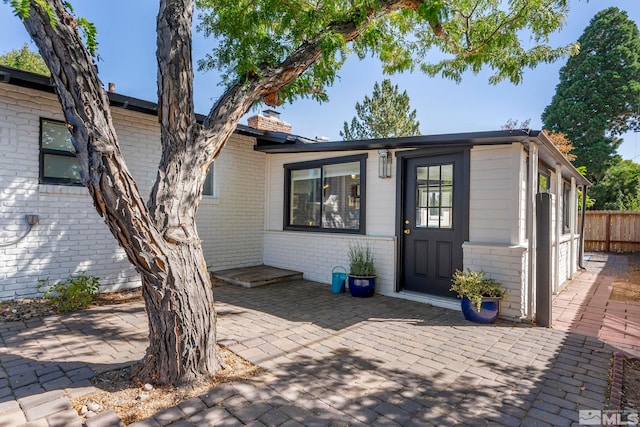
<point>362,272</point>
<point>480,295</point>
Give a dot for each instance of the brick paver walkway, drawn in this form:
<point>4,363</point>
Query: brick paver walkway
<point>328,359</point>
<point>584,306</point>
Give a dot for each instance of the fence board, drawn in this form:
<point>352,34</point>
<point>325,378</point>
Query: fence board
<point>612,231</point>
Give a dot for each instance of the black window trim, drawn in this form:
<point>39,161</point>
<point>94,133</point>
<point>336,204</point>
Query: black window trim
<point>288,167</point>
<point>47,151</point>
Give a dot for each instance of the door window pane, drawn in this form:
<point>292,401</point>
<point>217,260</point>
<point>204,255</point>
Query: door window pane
<point>434,198</point>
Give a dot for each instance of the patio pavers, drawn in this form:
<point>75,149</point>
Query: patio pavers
<point>585,307</point>
<point>328,359</point>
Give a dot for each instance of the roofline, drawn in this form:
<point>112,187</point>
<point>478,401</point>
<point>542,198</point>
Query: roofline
<point>450,140</point>
<point>42,83</point>
<point>550,146</point>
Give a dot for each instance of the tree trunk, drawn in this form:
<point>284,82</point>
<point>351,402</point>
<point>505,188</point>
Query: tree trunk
<point>163,247</point>
<point>182,331</point>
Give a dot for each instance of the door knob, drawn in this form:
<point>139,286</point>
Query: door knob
<point>407,231</point>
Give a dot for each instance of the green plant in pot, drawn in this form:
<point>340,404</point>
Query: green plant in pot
<point>480,295</point>
<point>362,271</point>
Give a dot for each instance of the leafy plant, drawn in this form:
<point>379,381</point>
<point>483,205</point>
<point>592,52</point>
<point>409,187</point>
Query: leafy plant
<point>474,285</point>
<point>361,260</point>
<point>74,293</point>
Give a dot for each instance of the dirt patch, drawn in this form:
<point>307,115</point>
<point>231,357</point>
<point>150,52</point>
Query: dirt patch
<point>133,401</point>
<point>627,288</point>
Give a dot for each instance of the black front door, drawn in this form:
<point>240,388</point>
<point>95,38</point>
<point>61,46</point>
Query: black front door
<point>433,222</point>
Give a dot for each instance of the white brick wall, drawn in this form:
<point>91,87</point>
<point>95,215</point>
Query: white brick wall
<point>231,223</point>
<point>507,265</point>
<point>315,254</point>
<point>71,237</point>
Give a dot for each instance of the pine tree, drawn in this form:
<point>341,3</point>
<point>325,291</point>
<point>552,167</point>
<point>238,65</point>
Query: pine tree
<point>597,97</point>
<point>385,115</point>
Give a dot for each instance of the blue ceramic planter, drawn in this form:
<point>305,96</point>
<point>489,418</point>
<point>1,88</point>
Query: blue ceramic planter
<point>362,287</point>
<point>488,310</point>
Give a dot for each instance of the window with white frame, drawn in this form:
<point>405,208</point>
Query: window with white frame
<point>58,163</point>
<point>326,195</point>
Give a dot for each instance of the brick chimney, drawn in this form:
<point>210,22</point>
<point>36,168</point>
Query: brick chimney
<point>269,120</point>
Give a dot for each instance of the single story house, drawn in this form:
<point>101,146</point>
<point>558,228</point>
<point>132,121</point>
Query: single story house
<point>427,205</point>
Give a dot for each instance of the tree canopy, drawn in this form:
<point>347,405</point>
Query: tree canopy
<point>620,187</point>
<point>25,59</point>
<point>271,50</point>
<point>386,114</point>
<point>599,90</point>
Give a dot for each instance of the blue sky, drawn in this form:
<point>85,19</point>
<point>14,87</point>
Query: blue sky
<point>127,48</point>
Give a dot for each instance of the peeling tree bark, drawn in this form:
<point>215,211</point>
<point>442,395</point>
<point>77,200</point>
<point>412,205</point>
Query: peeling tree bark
<point>160,238</point>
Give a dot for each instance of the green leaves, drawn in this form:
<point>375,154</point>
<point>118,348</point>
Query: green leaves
<point>508,37</point>
<point>25,59</point>
<point>21,9</point>
<point>385,115</point>
<point>597,97</point>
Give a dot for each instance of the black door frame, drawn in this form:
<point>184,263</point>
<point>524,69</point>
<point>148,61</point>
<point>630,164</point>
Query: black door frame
<point>402,157</point>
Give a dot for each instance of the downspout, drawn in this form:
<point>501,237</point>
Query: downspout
<point>532,189</point>
<point>581,241</point>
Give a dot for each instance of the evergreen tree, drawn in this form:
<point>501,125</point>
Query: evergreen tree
<point>385,115</point>
<point>25,59</point>
<point>597,97</point>
<point>620,187</point>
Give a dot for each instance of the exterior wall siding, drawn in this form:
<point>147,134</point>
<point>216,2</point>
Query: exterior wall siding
<point>231,223</point>
<point>494,210</point>
<point>315,254</point>
<point>507,265</point>
<point>71,237</point>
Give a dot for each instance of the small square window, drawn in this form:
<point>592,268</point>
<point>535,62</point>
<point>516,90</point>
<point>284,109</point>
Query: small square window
<point>58,163</point>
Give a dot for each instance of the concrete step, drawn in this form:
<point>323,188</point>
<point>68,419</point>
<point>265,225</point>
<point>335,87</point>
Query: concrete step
<point>259,275</point>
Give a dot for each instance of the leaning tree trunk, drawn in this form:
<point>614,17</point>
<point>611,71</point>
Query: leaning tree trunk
<point>161,243</point>
<point>161,239</point>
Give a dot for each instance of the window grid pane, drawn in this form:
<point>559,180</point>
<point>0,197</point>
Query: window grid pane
<point>434,198</point>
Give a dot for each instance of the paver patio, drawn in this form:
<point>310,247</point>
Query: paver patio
<point>329,360</point>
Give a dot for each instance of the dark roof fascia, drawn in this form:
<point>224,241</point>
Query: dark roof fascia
<point>449,140</point>
<point>42,83</point>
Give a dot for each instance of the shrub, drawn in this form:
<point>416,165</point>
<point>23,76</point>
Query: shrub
<point>74,293</point>
<point>361,261</point>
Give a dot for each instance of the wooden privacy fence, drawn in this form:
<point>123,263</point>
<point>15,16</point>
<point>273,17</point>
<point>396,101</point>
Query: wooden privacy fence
<point>612,231</point>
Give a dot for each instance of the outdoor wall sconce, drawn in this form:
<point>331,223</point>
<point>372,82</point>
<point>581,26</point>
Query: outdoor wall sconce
<point>385,163</point>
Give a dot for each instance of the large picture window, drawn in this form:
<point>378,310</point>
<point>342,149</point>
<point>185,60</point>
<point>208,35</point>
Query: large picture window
<point>326,195</point>
<point>58,163</point>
